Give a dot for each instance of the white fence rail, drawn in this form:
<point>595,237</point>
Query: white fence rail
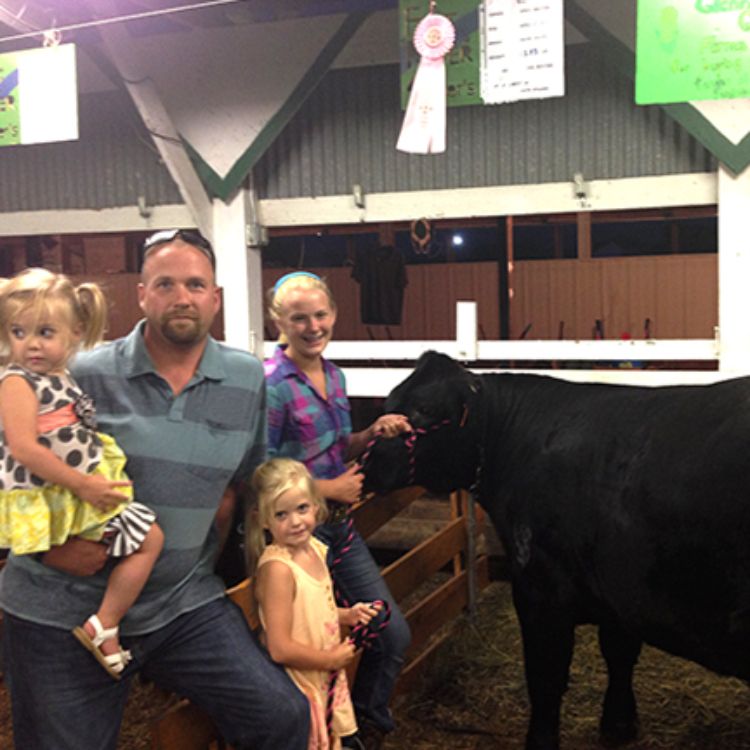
<point>568,358</point>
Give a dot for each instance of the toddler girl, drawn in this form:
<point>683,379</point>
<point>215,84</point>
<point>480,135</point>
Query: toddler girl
<point>295,597</point>
<point>58,476</point>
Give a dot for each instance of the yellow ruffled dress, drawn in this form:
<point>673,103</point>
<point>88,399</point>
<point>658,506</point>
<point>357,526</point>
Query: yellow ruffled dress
<point>35,516</point>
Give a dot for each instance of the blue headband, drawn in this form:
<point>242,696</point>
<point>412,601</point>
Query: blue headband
<point>292,275</point>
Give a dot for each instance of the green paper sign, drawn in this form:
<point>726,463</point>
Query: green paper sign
<point>692,50</point>
<point>461,63</point>
<point>10,114</point>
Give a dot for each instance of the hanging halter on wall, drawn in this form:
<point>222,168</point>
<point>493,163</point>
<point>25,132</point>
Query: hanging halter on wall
<point>421,236</point>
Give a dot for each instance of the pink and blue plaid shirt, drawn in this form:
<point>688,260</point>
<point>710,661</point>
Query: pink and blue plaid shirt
<point>301,423</point>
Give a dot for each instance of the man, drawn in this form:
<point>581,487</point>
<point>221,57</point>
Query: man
<point>190,415</point>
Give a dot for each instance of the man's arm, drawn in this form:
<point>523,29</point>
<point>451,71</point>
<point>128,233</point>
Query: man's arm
<point>77,557</point>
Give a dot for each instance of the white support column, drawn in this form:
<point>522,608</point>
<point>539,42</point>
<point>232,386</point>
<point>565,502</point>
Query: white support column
<point>238,271</point>
<point>734,272</point>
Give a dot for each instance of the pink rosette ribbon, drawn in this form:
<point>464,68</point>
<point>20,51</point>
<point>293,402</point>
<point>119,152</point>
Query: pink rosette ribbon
<point>423,131</point>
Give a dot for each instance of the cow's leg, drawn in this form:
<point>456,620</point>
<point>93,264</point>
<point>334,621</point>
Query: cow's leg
<point>548,637</point>
<point>619,722</point>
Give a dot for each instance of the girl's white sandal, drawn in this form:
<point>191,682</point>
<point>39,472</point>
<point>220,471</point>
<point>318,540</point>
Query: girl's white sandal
<point>113,663</point>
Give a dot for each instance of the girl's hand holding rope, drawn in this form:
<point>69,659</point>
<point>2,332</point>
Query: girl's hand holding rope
<point>360,613</point>
<point>341,655</point>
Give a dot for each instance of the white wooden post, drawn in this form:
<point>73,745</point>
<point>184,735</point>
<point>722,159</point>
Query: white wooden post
<point>466,330</point>
<point>238,271</point>
<point>734,272</point>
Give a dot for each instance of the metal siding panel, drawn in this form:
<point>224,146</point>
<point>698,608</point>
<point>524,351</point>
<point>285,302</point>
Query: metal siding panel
<point>346,133</point>
<point>110,165</point>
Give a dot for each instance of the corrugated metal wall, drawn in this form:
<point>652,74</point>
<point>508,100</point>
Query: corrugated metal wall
<point>112,163</point>
<point>346,133</point>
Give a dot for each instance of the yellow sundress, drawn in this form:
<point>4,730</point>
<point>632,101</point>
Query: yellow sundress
<point>315,622</point>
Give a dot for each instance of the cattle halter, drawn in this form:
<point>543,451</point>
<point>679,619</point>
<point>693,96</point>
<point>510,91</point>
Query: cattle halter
<point>410,443</point>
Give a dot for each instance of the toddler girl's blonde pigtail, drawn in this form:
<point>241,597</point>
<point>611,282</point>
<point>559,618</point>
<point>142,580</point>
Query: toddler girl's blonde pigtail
<point>92,313</point>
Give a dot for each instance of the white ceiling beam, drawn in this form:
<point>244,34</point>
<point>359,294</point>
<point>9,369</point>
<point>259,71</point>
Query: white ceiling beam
<point>85,221</point>
<point>16,15</point>
<point>696,189</point>
<point>156,118</point>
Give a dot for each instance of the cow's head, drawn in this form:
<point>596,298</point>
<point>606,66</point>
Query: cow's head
<point>441,400</point>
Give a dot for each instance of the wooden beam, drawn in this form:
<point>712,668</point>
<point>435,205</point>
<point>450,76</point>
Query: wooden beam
<point>183,726</point>
<point>155,117</point>
<point>417,565</point>
<point>442,605</point>
<point>584,235</point>
<point>374,512</point>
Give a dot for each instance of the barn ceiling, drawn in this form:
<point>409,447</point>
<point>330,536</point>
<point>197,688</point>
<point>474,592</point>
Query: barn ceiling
<point>152,17</point>
<point>250,64</point>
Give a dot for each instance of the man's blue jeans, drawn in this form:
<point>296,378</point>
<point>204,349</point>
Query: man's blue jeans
<point>63,700</point>
<point>357,578</point>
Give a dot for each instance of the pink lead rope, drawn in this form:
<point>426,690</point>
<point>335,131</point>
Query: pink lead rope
<point>362,636</point>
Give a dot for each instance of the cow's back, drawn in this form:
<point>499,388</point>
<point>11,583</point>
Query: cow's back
<point>635,498</point>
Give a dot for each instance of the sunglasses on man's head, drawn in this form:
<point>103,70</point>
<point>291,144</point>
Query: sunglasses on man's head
<point>188,236</point>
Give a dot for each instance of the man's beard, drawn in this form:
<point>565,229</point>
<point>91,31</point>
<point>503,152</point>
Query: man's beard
<point>182,330</point>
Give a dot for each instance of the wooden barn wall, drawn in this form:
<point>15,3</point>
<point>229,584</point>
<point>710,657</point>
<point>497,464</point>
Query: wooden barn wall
<point>112,163</point>
<point>677,293</point>
<point>346,133</point>
<point>429,310</point>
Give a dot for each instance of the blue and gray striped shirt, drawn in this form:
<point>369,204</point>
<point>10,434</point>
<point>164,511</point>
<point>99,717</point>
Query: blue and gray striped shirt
<point>182,453</point>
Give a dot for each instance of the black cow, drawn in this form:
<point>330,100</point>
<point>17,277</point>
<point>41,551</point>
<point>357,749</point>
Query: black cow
<point>624,506</point>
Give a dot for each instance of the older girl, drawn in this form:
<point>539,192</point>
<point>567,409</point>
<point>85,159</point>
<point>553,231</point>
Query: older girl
<point>309,419</point>
<point>59,477</point>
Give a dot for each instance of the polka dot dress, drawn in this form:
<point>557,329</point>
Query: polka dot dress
<point>35,515</point>
<point>77,445</point>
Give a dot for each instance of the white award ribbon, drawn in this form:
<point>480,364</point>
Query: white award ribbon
<point>423,131</point>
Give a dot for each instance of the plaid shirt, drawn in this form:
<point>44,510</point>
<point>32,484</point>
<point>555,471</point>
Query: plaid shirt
<point>301,423</point>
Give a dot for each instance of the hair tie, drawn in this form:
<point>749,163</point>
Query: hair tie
<point>293,275</point>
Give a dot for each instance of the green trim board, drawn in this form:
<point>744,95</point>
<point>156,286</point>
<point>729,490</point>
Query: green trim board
<point>225,187</point>
<point>735,157</point>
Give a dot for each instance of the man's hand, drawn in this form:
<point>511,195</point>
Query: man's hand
<point>77,557</point>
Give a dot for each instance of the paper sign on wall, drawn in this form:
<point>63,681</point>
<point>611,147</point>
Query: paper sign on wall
<point>38,96</point>
<point>692,50</point>
<point>523,50</point>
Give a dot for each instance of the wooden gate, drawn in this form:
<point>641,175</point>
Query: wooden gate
<point>184,727</point>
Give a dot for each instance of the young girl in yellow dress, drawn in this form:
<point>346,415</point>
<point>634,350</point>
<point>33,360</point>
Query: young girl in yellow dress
<point>294,591</point>
<point>58,476</point>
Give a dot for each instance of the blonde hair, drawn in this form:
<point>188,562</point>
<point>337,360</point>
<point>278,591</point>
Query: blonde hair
<point>270,481</point>
<point>302,280</point>
<point>81,308</point>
